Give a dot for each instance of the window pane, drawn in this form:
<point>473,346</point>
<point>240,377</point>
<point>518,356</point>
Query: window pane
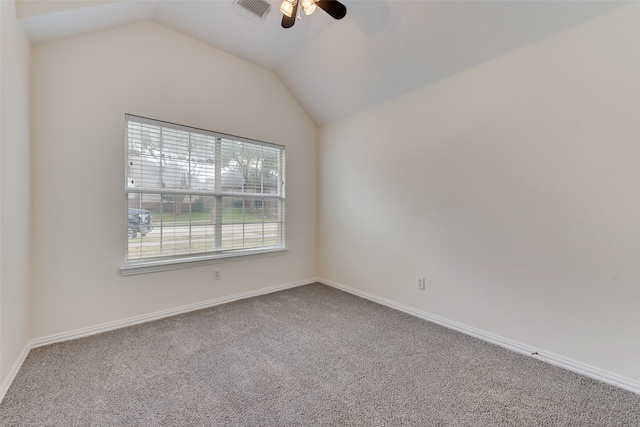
<point>250,222</point>
<point>174,225</point>
<point>175,208</point>
<point>202,166</point>
<point>144,154</point>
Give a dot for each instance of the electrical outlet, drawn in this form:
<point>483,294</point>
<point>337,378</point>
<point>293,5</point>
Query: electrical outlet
<point>421,283</point>
<point>216,275</point>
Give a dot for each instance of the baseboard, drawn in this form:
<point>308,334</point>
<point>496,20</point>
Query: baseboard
<point>4,387</point>
<point>553,359</point>
<point>110,326</point>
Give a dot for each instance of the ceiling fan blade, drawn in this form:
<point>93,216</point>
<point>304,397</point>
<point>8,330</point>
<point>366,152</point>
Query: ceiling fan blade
<point>288,21</point>
<point>333,7</point>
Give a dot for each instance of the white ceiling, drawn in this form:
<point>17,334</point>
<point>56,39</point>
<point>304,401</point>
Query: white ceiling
<point>380,50</point>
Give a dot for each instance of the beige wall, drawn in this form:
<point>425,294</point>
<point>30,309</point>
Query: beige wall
<point>82,88</point>
<point>14,192</point>
<point>513,187</point>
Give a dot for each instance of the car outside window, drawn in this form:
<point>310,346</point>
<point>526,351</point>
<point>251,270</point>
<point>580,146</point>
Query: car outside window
<point>198,194</point>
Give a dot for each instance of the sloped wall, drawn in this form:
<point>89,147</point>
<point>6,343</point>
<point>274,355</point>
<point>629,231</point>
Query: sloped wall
<point>513,187</point>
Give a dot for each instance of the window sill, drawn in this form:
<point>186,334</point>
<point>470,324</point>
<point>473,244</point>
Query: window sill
<point>142,267</point>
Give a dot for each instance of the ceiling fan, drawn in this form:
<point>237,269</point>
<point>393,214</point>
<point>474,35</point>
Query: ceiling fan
<point>289,9</point>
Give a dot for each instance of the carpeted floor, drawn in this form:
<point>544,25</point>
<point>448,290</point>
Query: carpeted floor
<point>308,356</point>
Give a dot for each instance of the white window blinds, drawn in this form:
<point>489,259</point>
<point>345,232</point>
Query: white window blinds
<point>197,193</point>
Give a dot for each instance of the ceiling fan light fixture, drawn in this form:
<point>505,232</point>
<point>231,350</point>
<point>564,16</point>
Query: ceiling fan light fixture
<point>291,12</point>
<point>308,6</point>
<point>287,7</point>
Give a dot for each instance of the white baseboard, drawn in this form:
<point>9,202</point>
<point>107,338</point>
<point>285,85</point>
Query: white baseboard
<point>110,326</point>
<point>553,359</point>
<point>4,387</point>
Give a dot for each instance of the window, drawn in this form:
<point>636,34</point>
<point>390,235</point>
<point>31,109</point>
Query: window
<point>195,195</point>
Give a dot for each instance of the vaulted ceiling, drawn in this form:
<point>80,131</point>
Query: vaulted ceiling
<point>380,50</point>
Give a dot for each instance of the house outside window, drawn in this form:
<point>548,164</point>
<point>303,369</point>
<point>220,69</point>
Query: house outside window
<point>197,195</point>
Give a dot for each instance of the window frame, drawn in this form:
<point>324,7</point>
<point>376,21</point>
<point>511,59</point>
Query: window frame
<point>191,259</point>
